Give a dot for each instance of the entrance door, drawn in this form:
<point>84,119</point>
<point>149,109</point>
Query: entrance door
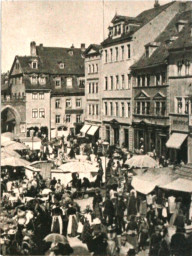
<point>116,136</point>
<point>126,138</point>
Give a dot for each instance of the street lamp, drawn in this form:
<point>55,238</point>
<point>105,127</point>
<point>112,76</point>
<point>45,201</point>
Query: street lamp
<point>105,146</point>
<point>32,135</point>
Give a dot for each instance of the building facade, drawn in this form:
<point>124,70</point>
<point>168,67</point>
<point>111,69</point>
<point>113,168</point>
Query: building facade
<point>123,47</point>
<point>51,84</point>
<point>180,83</point>
<point>93,92</point>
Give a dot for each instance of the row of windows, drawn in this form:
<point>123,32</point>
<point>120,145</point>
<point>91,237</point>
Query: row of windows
<point>118,82</point>
<point>148,80</point>
<point>68,103</point>
<point>117,109</point>
<point>36,96</point>
<point>16,80</point>
<point>67,119</point>
<point>118,53</point>
<point>36,79</point>
<point>93,109</point>
<point>93,68</point>
<point>18,95</point>
<point>145,108</point>
<point>183,105</point>
<point>41,113</point>
<point>93,88</point>
<point>183,68</point>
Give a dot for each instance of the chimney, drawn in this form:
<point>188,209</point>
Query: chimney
<point>82,47</point>
<point>41,46</point>
<point>156,4</point>
<point>72,46</point>
<point>33,49</point>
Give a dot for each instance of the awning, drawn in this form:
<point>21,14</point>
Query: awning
<point>93,130</point>
<point>154,177</point>
<point>85,128</point>
<point>176,140</point>
<point>183,185</point>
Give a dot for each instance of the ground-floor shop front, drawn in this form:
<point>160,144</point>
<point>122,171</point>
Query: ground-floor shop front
<point>151,138</point>
<point>180,147</point>
<point>118,134</point>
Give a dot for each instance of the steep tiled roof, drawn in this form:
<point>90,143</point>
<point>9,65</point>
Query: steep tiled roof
<point>95,47</point>
<point>150,14</point>
<point>160,55</point>
<point>142,18</point>
<point>49,59</point>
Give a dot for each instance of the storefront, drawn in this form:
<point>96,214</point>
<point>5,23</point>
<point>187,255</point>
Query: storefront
<point>180,139</point>
<point>150,137</point>
<point>118,134</point>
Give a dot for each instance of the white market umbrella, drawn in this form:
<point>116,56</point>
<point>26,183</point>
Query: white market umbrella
<point>14,145</point>
<point>46,191</point>
<point>14,161</point>
<point>141,161</point>
<point>79,167</point>
<point>8,153</point>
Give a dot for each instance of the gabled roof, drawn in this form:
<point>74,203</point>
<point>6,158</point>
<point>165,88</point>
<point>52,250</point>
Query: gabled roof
<point>142,19</point>
<point>49,58</point>
<point>95,47</point>
<point>160,55</point>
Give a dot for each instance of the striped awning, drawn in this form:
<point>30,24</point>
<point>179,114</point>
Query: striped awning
<point>176,140</point>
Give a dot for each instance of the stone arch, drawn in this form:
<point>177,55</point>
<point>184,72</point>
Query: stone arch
<point>16,114</point>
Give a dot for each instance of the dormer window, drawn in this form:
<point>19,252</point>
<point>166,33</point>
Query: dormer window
<point>127,28</point>
<point>34,79</point>
<point>70,53</point>
<point>69,82</point>
<point>57,81</point>
<point>61,65</point>
<point>180,25</point>
<point>42,80</point>
<point>34,64</point>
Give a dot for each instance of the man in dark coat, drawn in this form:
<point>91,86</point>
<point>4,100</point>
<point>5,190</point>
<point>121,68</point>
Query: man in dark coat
<point>155,242</point>
<point>179,243</point>
<point>119,213</point>
<point>132,204</point>
<point>108,212</point>
<point>97,199</point>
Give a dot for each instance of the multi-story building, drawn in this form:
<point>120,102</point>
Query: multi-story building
<point>93,92</point>
<point>180,87</point>
<point>51,84</point>
<point>156,90</point>
<point>123,47</point>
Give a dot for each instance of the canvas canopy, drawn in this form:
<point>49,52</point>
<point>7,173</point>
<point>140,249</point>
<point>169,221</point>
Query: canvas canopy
<point>176,140</point>
<point>180,184</point>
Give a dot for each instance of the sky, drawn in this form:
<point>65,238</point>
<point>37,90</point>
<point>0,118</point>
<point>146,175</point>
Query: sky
<point>59,23</point>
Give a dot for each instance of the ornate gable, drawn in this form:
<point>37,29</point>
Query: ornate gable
<point>142,96</point>
<point>159,96</point>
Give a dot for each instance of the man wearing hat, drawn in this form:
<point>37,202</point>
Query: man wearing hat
<point>119,212</point>
<point>108,212</point>
<point>155,242</point>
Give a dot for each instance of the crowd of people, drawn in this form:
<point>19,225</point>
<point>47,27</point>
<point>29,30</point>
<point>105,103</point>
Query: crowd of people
<point>119,220</point>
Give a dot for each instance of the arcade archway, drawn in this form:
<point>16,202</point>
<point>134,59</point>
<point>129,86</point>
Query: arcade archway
<point>10,119</point>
